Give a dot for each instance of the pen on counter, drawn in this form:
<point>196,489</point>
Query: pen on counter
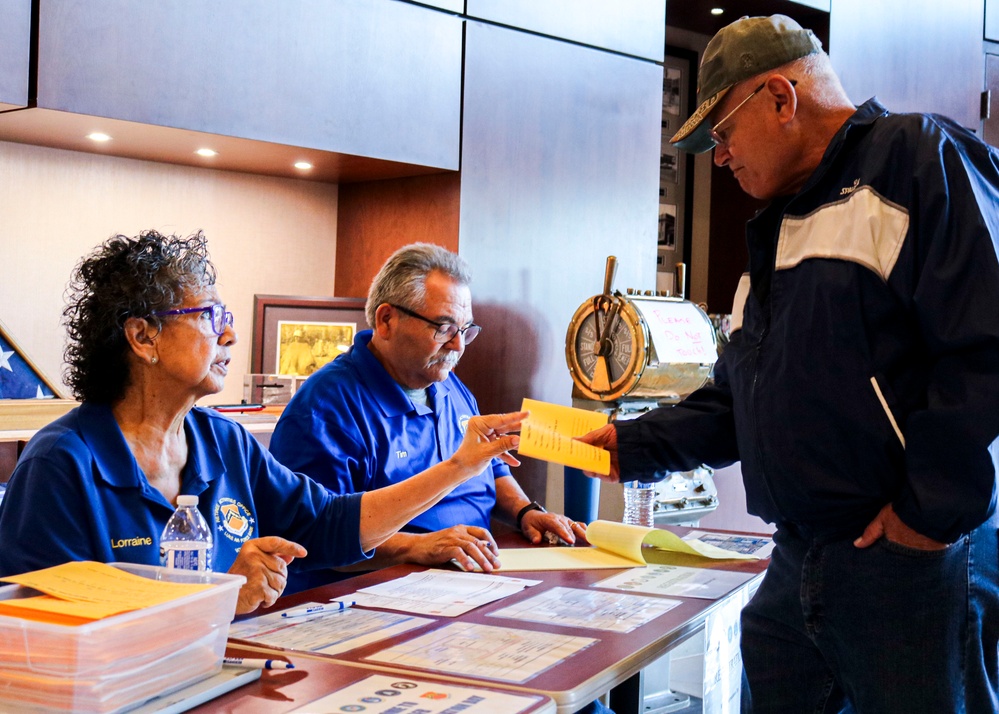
<point>555,539</point>
<point>335,606</point>
<point>257,663</point>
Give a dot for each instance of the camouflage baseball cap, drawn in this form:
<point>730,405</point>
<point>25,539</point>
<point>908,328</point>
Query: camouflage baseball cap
<point>747,47</point>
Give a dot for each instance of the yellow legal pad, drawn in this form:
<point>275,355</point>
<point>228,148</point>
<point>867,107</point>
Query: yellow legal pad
<point>548,432</point>
<point>614,545</point>
<point>81,592</point>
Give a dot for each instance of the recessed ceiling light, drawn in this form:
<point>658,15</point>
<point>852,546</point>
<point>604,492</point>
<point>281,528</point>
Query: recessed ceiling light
<point>98,136</point>
<point>717,10</point>
<point>206,152</point>
<point>303,165</point>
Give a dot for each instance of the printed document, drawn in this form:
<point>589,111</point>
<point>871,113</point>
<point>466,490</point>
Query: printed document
<point>484,651</point>
<point>573,607</point>
<point>548,432</point>
<point>677,580</point>
<point>439,592</point>
<point>614,545</point>
<point>326,632</point>
<point>391,694</point>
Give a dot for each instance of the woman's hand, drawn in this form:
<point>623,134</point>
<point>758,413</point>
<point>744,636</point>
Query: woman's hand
<point>264,564</point>
<point>489,437</point>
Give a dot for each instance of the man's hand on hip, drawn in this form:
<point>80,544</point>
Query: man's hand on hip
<point>888,525</point>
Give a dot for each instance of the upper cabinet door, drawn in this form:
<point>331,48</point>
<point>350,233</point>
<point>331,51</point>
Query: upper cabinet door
<point>452,5</point>
<point>634,27</point>
<point>915,55</point>
<point>15,40</point>
<point>992,20</point>
<point>371,78</point>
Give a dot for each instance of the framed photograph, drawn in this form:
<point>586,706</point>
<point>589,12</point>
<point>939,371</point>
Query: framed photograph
<point>19,377</point>
<point>675,166</point>
<point>298,335</point>
<point>667,226</point>
<point>669,157</point>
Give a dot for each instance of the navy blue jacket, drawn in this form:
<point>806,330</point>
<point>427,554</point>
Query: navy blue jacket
<point>864,364</point>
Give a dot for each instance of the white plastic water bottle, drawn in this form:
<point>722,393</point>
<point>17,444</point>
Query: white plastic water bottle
<point>186,543</point>
<point>639,503</point>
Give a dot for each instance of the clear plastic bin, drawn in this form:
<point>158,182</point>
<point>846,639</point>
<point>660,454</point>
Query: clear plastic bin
<point>117,663</point>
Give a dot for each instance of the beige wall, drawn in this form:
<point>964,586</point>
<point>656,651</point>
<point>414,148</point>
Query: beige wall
<point>266,235</point>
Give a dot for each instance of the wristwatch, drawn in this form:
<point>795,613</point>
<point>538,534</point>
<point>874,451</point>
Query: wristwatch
<point>532,506</point>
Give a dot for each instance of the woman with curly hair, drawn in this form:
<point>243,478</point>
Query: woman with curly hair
<point>148,337</point>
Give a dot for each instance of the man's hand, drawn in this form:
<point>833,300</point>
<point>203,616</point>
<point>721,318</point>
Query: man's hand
<point>264,564</point>
<point>489,437</point>
<point>471,546</point>
<point>535,524</point>
<point>888,525</point>
<point>606,438</point>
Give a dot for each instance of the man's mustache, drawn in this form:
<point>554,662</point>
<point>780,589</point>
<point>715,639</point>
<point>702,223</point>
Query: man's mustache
<point>448,359</point>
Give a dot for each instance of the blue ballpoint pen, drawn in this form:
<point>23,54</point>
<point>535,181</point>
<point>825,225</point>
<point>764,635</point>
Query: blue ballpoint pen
<point>335,606</point>
<point>257,663</point>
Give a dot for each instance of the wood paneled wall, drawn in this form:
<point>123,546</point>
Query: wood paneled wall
<point>731,207</point>
<point>376,218</point>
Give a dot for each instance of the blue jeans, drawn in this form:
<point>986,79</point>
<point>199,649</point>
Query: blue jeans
<point>886,629</point>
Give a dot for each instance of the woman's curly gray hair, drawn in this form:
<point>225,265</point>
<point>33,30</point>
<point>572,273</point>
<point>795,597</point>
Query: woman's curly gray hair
<point>125,277</point>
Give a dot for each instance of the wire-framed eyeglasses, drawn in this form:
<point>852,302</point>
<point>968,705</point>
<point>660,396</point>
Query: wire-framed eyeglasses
<point>446,331</point>
<point>720,140</point>
<point>221,318</point>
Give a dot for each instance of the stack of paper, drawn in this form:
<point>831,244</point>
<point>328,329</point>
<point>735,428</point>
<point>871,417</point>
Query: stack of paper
<point>440,592</point>
<point>615,545</point>
<point>81,592</point>
<point>134,631</point>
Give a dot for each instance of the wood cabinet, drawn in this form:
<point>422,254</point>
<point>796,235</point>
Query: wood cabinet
<point>634,27</point>
<point>368,78</point>
<point>15,53</point>
<point>456,6</point>
<point>992,20</point>
<point>915,55</point>
<point>560,168</point>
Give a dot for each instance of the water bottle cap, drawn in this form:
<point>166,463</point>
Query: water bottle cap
<point>187,500</point>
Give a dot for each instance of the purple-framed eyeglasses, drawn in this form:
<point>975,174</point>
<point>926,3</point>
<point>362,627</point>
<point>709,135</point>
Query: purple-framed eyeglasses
<point>221,318</point>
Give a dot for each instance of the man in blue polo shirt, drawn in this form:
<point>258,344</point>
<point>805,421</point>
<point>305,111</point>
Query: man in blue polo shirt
<point>391,407</point>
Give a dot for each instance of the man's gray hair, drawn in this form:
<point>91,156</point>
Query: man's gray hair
<point>403,279</point>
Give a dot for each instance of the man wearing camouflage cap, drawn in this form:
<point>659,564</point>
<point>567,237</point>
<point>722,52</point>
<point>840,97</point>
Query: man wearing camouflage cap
<point>860,390</point>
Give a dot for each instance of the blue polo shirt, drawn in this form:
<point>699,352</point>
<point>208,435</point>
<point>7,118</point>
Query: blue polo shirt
<point>353,428</point>
<point>77,493</point>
